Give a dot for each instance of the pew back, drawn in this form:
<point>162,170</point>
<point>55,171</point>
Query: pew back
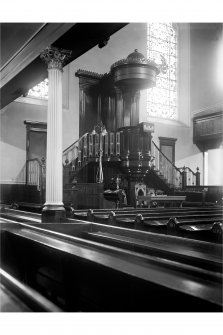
<point>92,276</point>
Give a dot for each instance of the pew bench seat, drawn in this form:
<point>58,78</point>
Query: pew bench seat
<point>214,227</point>
<point>173,200</point>
<point>175,223</point>
<point>168,251</point>
<point>196,227</point>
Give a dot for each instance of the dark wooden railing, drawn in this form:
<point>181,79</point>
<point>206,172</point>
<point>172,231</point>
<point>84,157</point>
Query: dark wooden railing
<point>166,168</point>
<point>87,148</point>
<point>112,146</point>
<point>189,177</point>
<point>36,175</point>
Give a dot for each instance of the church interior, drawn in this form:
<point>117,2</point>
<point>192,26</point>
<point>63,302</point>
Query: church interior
<point>111,167</point>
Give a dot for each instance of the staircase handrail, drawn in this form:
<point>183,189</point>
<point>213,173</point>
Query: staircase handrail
<point>166,157</point>
<point>73,144</point>
<point>187,167</point>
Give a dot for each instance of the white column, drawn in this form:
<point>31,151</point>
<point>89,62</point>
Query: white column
<point>54,168</point>
<point>205,168</point>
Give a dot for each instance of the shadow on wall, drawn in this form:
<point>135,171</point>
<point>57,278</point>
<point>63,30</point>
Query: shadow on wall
<point>21,177</point>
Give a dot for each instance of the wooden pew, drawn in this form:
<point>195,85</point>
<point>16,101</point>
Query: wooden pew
<point>159,216</point>
<point>173,200</point>
<point>17,297</point>
<point>99,216</point>
<point>195,253</point>
<point>88,214</point>
<point>128,217</point>
<point>204,231</point>
<point>92,276</point>
<point>21,216</point>
<point>172,225</point>
<point>208,229</point>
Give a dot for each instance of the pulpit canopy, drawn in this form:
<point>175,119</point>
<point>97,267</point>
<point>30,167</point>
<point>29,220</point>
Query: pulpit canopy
<point>135,71</point>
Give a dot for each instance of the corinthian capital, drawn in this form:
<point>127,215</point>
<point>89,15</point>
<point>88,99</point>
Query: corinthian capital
<point>54,57</point>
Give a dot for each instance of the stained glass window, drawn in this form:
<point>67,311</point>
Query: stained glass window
<point>40,90</point>
<point>162,45</point>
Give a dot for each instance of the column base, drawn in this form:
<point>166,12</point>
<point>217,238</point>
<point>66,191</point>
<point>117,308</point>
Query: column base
<point>53,214</point>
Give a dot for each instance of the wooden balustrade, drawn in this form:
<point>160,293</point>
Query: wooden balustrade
<point>36,175</point>
<point>165,167</point>
<point>130,149</point>
<point>36,172</point>
<point>88,146</point>
<point>189,177</point>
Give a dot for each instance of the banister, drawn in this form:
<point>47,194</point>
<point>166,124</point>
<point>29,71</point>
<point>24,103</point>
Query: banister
<point>80,151</point>
<point>166,157</point>
<point>187,167</point>
<point>78,140</point>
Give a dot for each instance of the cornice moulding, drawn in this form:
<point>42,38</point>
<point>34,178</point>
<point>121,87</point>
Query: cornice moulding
<point>32,101</point>
<point>208,109</point>
<point>90,74</point>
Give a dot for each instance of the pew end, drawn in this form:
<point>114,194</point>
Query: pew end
<point>112,218</point>
<point>90,215</point>
<point>172,226</point>
<point>217,231</point>
<point>139,220</point>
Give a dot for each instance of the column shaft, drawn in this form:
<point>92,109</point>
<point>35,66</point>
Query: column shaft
<point>54,172</point>
<point>53,210</point>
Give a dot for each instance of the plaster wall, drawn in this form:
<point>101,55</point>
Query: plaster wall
<point>206,54</point>
<point>13,138</point>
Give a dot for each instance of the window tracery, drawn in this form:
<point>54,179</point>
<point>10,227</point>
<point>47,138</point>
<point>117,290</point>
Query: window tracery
<point>162,42</point>
<point>40,90</point>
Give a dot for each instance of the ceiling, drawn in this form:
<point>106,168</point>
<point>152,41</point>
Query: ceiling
<point>14,36</point>
<point>21,66</point>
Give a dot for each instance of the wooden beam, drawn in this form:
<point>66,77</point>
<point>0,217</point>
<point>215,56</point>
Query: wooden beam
<point>31,50</point>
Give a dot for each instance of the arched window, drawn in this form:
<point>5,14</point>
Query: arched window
<point>162,44</point>
<point>40,90</point>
